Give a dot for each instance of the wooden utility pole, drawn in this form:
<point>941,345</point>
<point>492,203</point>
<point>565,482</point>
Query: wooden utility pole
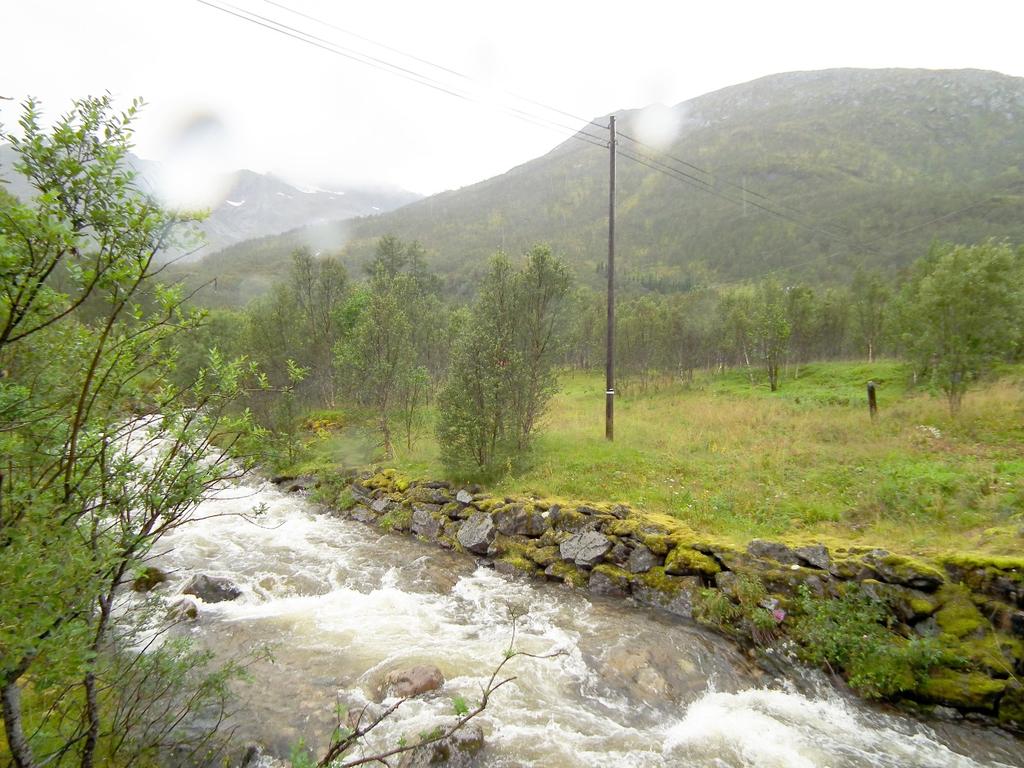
<point>609,372</point>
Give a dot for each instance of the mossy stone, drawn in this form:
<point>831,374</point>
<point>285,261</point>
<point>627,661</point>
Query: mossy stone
<point>963,690</point>
<point>685,561</point>
<point>567,573</point>
<point>958,615</point>
<point>544,556</point>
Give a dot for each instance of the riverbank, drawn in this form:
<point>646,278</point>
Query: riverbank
<point>942,636</point>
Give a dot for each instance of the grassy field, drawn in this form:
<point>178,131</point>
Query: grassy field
<point>737,461</point>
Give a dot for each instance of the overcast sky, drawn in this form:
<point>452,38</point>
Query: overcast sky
<point>271,103</point>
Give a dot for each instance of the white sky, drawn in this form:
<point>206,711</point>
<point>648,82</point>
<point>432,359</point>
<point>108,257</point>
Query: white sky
<point>311,116</point>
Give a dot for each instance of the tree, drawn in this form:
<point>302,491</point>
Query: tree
<point>379,353</point>
<point>502,372</point>
<point>870,297</point>
<point>87,488</point>
<point>961,311</point>
<point>771,328</point>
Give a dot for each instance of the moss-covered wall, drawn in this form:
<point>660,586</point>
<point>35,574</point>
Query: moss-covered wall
<point>970,606</point>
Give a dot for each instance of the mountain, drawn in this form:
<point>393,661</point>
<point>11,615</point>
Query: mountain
<point>255,205</point>
<point>858,167</point>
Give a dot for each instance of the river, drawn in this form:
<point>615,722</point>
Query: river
<point>342,604</point>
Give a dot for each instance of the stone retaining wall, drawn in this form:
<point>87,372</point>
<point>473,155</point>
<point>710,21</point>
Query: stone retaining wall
<point>972,605</point>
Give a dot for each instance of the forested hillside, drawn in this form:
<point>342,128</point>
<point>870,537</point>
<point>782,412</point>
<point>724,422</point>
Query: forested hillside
<point>858,167</point>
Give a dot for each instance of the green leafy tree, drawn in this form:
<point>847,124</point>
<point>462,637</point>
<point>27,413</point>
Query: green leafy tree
<point>771,328</point>
<point>502,373</point>
<point>87,488</point>
<point>870,301</point>
<point>961,311</point>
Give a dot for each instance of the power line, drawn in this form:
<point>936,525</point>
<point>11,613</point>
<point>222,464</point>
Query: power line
<point>382,64</point>
<point>718,178</point>
<point>429,63</point>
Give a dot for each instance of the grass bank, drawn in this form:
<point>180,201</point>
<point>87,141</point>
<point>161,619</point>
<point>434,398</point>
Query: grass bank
<point>732,459</point>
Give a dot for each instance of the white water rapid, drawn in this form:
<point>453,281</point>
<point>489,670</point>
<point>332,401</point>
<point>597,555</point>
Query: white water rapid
<point>343,604</point>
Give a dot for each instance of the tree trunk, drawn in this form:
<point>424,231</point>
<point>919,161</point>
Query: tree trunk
<point>21,752</point>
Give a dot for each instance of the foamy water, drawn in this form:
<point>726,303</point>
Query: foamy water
<point>342,605</point>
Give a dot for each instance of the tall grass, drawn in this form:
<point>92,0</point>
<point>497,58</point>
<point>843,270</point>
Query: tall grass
<point>736,461</point>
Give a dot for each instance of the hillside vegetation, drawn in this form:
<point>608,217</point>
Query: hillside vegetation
<point>873,165</point>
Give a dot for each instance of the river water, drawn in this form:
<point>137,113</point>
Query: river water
<point>342,604</point>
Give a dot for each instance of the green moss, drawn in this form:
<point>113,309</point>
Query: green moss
<point>656,578</point>
<point>379,480</point>
<point>685,561</point>
<point>907,568</point>
<point>544,556</point>
<point>922,606</point>
<point>958,616</point>
<point>402,484</point>
<point>345,500</point>
<point>519,562</point>
<point>1011,706</point>
<point>568,573</point>
<point>398,519</point>
<point>620,577</point>
<point>964,690</point>
<point>488,504</point>
<point>993,653</point>
<point>1013,567</point>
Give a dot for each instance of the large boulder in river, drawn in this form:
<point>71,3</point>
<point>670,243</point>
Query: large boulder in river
<point>477,533</point>
<point>455,751</point>
<point>211,589</point>
<point>586,548</point>
<point>413,681</point>
<point>148,578</point>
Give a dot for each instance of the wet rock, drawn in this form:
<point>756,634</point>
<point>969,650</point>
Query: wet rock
<point>773,550</point>
<point>946,713</point>
<point>363,514</point>
<point>674,594</point>
<point>413,681</point>
<point>456,751</point>
<point>516,520</point>
<point>633,668</point>
<point>609,581</point>
<point>211,589</point>
<point>149,578</point>
<point>424,523</point>
<point>814,555</point>
<point>464,497</point>
<point>183,609</point>
<point>381,505</point>
<point>641,560</point>
<point>586,549</point>
<point>279,479</point>
<point>301,483</point>
<point>619,553</point>
<point>477,533</point>
<point>255,756</point>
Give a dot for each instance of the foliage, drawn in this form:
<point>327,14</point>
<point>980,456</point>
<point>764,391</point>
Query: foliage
<point>502,374</point>
<point>87,339</point>
<point>852,634</point>
<point>962,310</point>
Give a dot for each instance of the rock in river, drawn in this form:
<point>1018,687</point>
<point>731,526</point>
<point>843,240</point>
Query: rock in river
<point>211,589</point>
<point>477,533</point>
<point>413,681</point>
